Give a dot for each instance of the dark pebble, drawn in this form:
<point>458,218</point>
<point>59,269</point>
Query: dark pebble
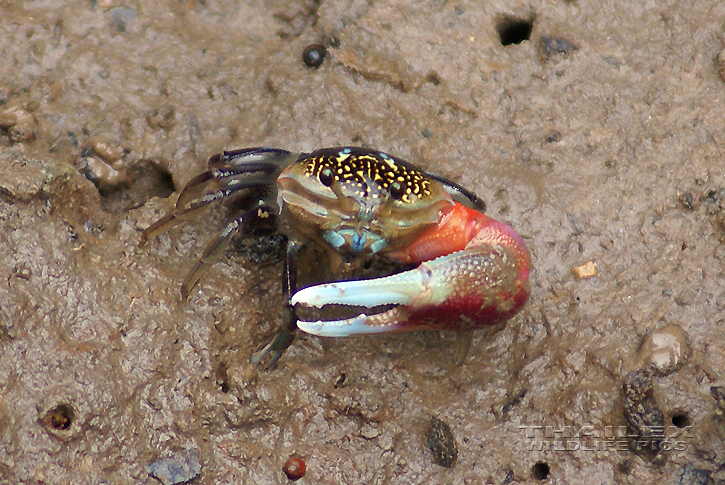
<point>442,443</point>
<point>555,45</point>
<point>314,55</point>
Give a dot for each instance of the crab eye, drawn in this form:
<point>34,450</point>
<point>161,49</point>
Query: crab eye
<point>396,190</point>
<point>326,177</point>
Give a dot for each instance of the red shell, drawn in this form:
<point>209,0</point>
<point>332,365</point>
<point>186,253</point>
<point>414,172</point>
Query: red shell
<point>294,468</point>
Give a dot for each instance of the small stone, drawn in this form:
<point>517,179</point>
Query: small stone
<point>368,431</point>
<point>106,150</point>
<point>555,45</point>
<point>718,394</point>
<point>314,55</point>
<point>587,270</point>
<point>103,175</point>
<point>179,468</point>
<point>18,121</point>
<point>664,350</point>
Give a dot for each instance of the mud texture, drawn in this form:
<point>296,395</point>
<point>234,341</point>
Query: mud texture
<point>596,132</point>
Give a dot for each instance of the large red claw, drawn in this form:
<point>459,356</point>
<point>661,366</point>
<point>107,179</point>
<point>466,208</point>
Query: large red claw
<point>473,273</point>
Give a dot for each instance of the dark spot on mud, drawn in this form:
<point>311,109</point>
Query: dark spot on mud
<point>442,443</point>
<point>340,381</point>
<point>686,200</point>
<point>552,137</point>
<point>508,478</point>
<point>514,401</point>
<point>21,271</point>
<point>262,249</point>
<point>433,78</point>
<point>222,379</point>
<point>625,467</point>
<point>551,46</point>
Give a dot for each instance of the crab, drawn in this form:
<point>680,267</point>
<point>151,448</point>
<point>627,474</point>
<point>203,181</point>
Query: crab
<point>465,272</point>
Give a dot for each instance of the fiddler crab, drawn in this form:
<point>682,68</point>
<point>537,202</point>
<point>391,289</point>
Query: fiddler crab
<point>469,271</point>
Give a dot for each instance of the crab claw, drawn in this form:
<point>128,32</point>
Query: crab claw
<point>483,284</point>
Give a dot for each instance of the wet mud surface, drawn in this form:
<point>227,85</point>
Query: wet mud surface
<point>598,137</point>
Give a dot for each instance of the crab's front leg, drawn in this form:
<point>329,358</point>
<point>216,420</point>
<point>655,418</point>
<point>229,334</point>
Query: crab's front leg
<point>473,273</point>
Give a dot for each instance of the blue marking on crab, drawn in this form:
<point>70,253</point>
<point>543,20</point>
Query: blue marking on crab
<point>358,241</point>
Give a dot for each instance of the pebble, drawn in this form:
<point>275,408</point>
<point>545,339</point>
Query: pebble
<point>179,468</point>
<point>664,350</point>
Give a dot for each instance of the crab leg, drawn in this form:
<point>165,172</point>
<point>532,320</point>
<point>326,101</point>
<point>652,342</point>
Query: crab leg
<point>479,278</point>
<point>285,335</point>
<point>216,248</point>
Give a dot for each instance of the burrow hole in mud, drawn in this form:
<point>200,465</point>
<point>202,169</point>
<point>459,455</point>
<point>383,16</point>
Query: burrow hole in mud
<point>125,188</point>
<point>540,470</point>
<point>514,30</point>
<point>680,419</point>
<point>145,180</point>
<point>60,417</point>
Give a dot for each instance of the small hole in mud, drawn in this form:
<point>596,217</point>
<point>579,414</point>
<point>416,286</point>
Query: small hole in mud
<point>60,417</point>
<point>512,30</point>
<point>126,189</point>
<point>540,470</point>
<point>681,420</point>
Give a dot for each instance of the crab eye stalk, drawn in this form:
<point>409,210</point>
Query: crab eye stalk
<point>326,177</point>
<point>396,190</point>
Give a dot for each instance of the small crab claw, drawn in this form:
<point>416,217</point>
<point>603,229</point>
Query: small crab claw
<point>481,280</point>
